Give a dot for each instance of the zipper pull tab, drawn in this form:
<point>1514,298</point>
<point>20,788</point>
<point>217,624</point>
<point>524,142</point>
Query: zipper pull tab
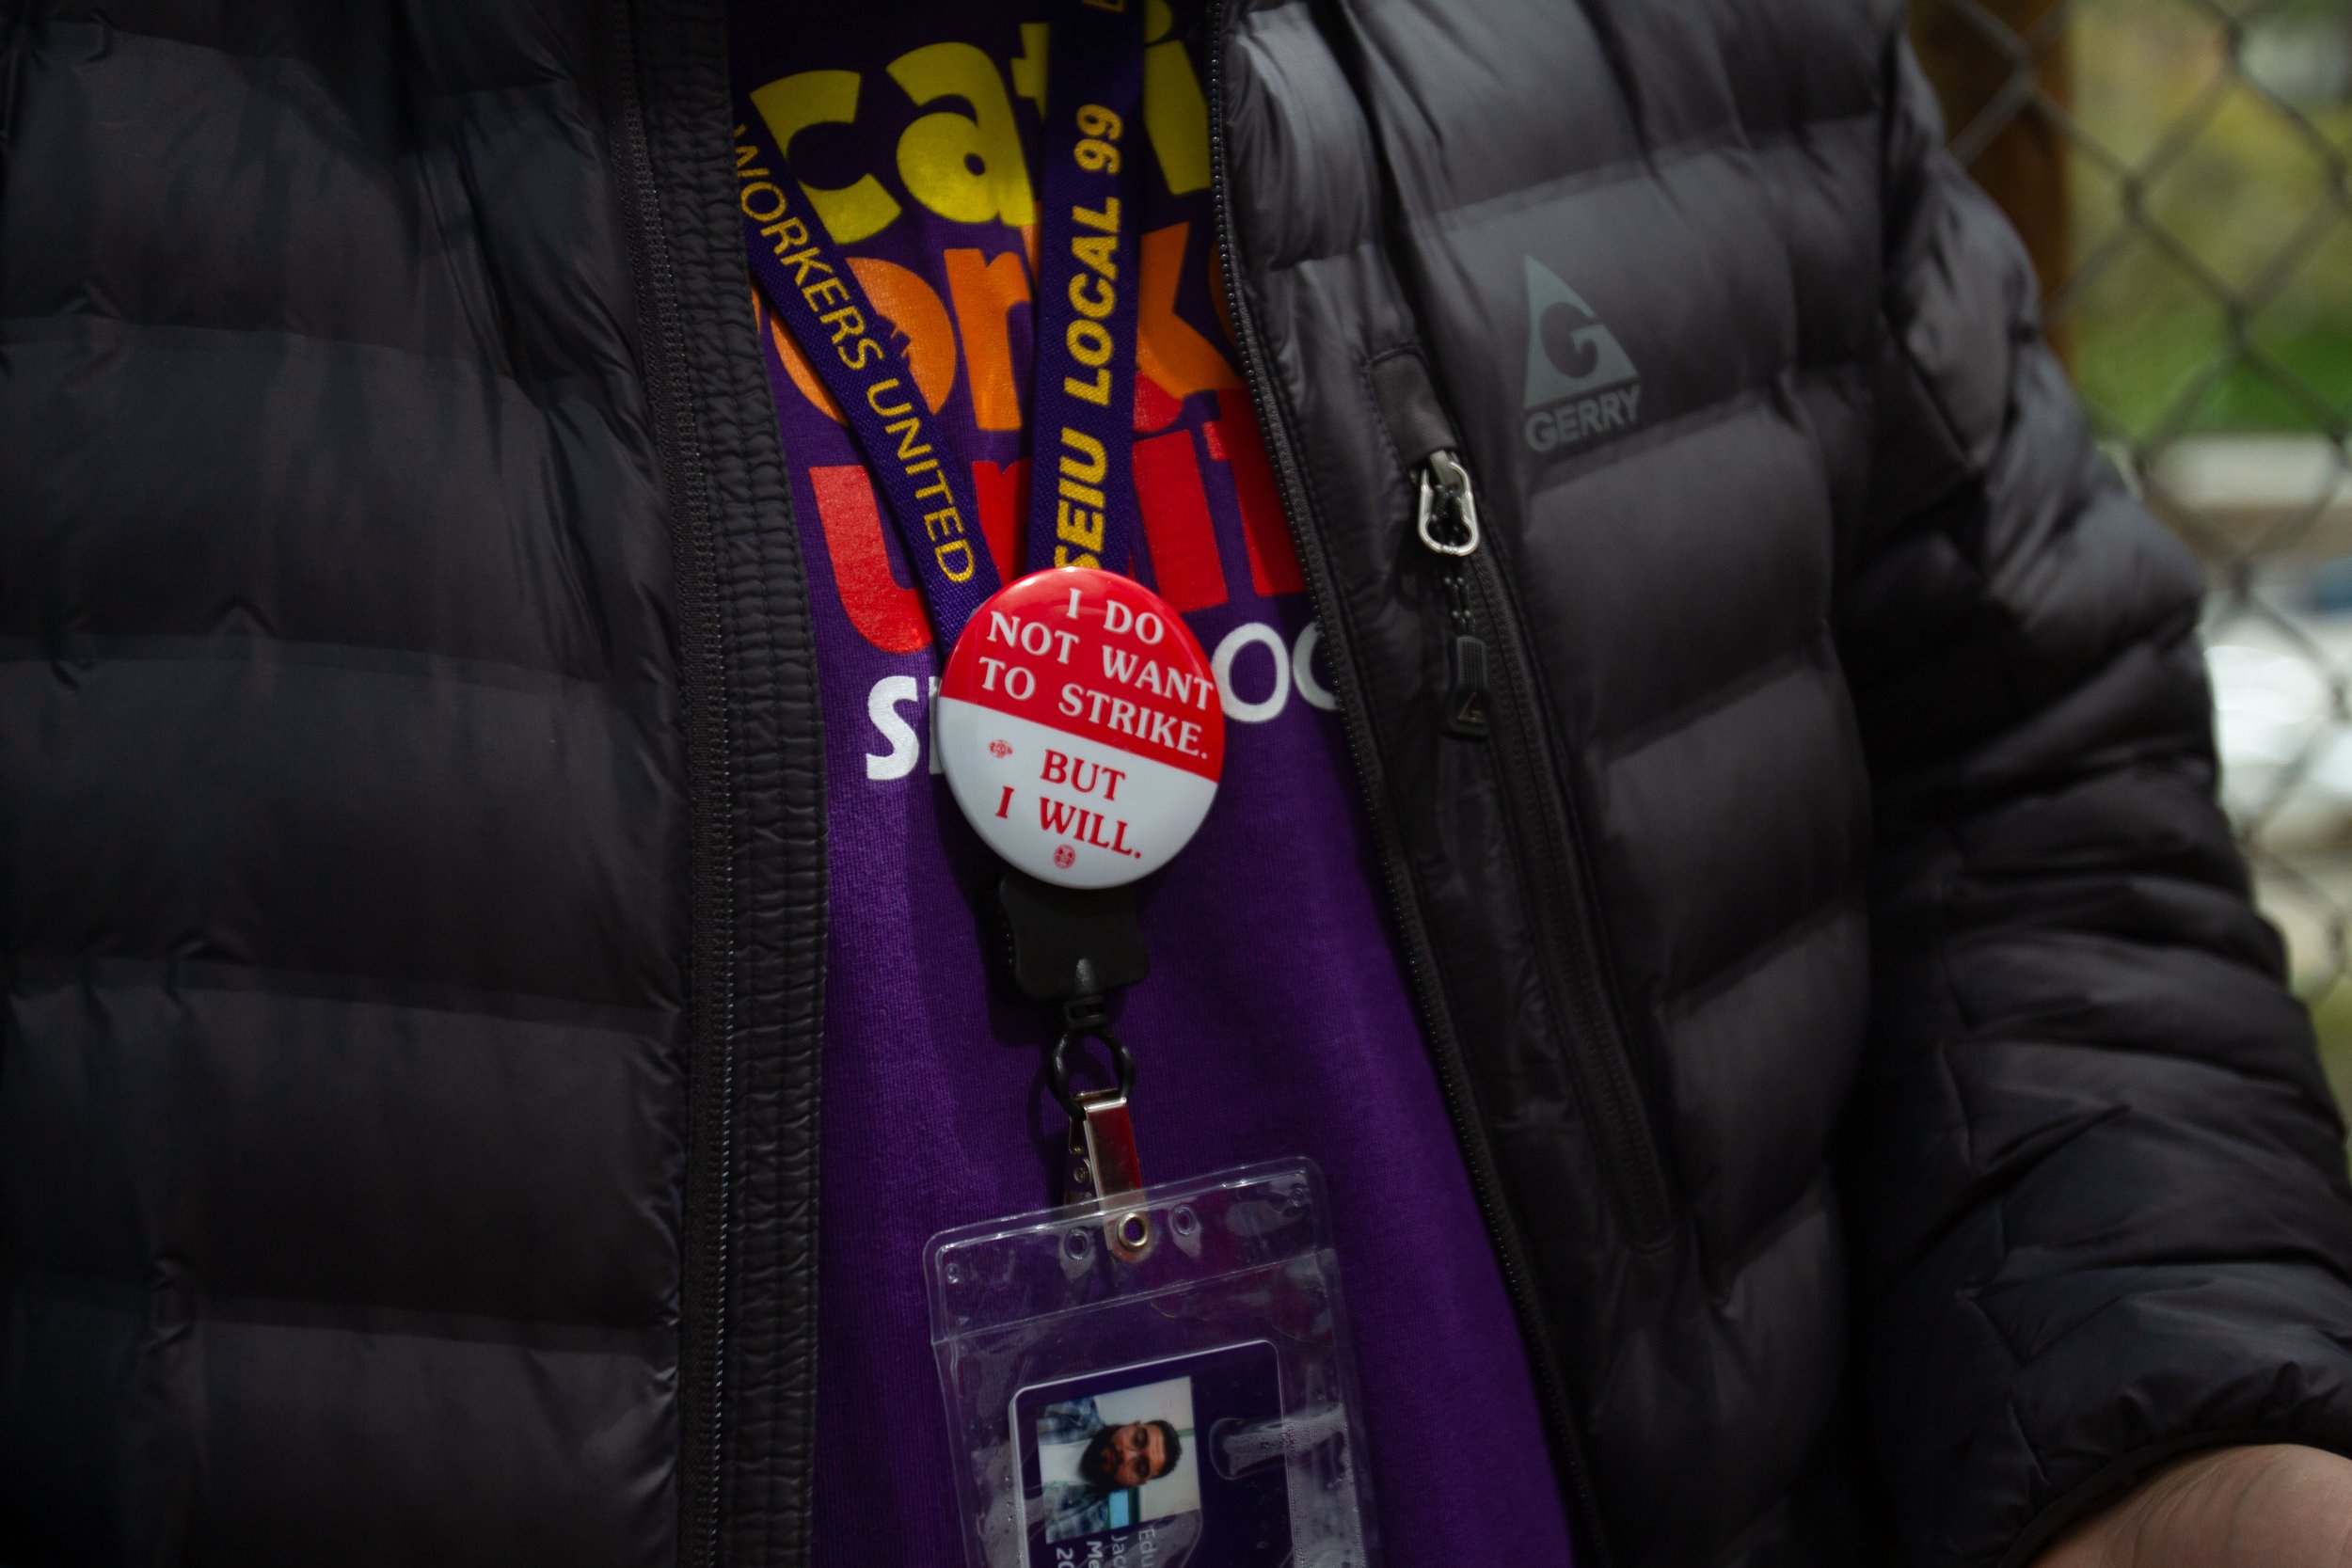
<point>1465,687</point>
<point>1448,527</point>
<point>1448,523</point>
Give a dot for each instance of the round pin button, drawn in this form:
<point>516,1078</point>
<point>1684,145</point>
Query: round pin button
<point>1080,728</point>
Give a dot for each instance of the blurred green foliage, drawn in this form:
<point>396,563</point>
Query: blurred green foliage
<point>2332,1015</point>
<point>2212,286</point>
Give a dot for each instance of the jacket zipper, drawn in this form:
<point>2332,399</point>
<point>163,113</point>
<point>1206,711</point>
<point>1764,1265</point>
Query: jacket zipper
<point>710,1070</point>
<point>1447,526</point>
<point>1491,695</point>
<point>1419,958</point>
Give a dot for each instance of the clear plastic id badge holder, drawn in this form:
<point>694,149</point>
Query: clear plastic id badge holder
<point>1158,1380</point>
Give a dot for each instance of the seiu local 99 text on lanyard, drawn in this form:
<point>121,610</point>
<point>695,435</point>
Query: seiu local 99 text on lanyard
<point>1081,776</point>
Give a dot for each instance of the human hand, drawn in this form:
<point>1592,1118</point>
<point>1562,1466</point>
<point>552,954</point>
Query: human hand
<point>2273,1507</point>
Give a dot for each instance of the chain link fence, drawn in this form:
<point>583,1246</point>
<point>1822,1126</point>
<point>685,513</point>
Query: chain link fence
<point>2178,171</point>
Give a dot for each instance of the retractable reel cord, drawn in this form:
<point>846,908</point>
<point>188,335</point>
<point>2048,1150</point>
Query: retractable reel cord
<point>1148,1375</point>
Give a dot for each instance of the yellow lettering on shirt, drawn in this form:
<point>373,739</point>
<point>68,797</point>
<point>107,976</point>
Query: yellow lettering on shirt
<point>791,104</point>
<point>968,168</point>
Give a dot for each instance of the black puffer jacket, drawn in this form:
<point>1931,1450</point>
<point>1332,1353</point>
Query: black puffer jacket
<point>411,852</point>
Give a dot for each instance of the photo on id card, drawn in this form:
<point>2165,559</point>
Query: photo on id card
<point>1168,1464</point>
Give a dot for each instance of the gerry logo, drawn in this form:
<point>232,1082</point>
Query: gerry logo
<point>1580,380</point>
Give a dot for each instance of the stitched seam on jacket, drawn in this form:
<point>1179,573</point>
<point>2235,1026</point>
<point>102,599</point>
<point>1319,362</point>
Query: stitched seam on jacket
<point>79,325</point>
<point>1768,670</point>
<point>372,1317</point>
<point>86,649</point>
<point>1639,169</point>
<point>1680,1002</point>
<point>108,30</point>
<point>361,992</point>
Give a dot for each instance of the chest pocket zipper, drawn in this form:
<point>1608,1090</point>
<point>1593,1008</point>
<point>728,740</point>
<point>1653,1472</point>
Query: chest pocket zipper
<point>1490,699</point>
<point>1447,526</point>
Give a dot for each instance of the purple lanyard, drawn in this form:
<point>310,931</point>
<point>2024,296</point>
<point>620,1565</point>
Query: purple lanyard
<point>1082,493</point>
<point>1081,462</point>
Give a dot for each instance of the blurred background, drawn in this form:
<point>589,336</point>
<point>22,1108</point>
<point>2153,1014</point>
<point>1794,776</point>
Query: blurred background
<point>2177,169</point>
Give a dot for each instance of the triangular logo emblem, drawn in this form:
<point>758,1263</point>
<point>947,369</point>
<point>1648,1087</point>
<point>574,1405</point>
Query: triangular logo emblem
<point>1570,352</point>
<point>1467,715</point>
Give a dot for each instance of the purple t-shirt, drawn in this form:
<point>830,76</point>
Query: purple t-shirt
<point>1275,1020</point>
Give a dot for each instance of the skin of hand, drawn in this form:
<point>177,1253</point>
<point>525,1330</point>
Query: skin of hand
<point>2272,1506</point>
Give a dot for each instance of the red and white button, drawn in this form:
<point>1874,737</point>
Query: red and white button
<point>1080,728</point>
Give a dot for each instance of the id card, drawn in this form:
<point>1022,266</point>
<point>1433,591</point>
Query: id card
<point>1139,1464</point>
<point>1190,1405</point>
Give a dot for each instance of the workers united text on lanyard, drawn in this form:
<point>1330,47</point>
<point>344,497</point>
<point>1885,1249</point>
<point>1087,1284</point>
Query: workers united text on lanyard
<point>1082,500</point>
<point>1078,726</point>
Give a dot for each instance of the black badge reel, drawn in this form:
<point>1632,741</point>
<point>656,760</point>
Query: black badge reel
<point>1184,1401</point>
